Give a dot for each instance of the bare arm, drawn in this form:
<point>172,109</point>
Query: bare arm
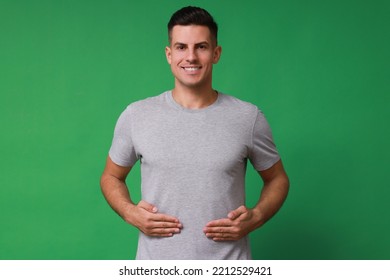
<point>242,220</point>
<point>144,215</point>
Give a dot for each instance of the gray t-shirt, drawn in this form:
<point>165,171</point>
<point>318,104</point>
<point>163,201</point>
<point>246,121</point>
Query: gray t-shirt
<point>193,165</point>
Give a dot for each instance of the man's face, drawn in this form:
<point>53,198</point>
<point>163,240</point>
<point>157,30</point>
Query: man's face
<point>191,54</point>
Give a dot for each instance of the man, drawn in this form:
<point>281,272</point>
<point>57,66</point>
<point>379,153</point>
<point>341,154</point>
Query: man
<point>193,144</point>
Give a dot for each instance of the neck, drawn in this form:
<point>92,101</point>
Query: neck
<point>194,98</point>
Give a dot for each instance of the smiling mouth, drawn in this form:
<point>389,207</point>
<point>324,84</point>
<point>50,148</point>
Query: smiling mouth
<point>191,68</point>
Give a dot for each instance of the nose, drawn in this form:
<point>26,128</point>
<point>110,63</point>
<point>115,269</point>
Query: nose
<point>191,55</point>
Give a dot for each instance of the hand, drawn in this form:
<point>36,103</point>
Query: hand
<point>146,218</point>
<point>238,224</point>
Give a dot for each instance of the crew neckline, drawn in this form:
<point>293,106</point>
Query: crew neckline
<point>173,102</point>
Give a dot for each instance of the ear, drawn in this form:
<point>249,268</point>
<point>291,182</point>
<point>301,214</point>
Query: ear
<point>168,53</point>
<point>217,54</point>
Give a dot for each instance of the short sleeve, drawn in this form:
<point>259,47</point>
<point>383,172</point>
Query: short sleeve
<point>263,153</point>
<point>122,150</point>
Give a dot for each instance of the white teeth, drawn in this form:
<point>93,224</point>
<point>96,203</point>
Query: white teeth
<point>191,68</point>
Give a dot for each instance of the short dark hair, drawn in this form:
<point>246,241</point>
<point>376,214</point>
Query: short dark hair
<point>193,16</point>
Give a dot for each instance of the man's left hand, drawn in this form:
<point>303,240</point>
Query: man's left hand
<point>238,224</point>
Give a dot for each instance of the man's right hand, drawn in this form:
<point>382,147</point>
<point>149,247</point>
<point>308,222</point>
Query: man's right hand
<point>146,218</point>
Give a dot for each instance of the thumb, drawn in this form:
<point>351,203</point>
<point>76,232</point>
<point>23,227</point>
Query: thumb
<point>237,212</point>
<point>147,206</point>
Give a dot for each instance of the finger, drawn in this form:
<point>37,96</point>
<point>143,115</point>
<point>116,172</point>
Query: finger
<point>221,230</point>
<point>237,212</point>
<point>164,231</point>
<point>161,232</point>
<point>220,223</point>
<point>225,239</point>
<point>147,206</point>
<point>164,218</point>
<point>211,230</point>
<point>218,232</point>
<point>222,236</point>
<point>167,225</point>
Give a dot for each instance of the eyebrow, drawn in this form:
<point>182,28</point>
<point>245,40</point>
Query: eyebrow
<point>196,44</point>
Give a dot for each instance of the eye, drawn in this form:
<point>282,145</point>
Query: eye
<point>202,47</point>
<point>180,47</point>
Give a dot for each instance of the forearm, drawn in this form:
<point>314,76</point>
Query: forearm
<point>272,197</point>
<point>144,215</point>
<point>117,195</point>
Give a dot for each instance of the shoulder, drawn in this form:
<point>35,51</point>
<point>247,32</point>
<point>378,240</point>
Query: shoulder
<point>240,106</point>
<point>145,105</point>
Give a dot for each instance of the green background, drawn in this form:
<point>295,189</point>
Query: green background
<point>318,69</point>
